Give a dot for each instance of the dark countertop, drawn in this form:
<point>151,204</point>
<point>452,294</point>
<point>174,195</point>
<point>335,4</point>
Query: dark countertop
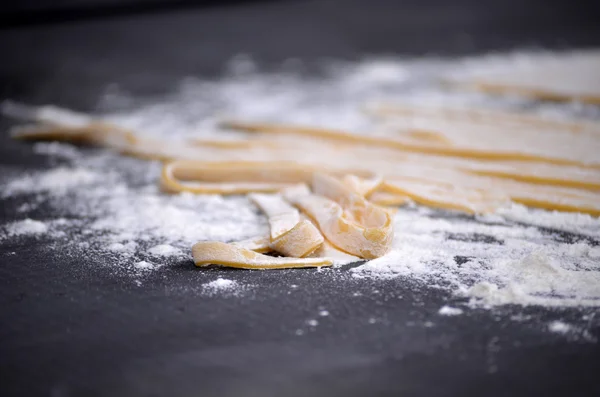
<point>66,332</point>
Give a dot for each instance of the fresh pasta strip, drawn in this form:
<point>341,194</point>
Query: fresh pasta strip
<point>299,242</point>
<point>403,145</point>
<point>534,92</point>
<point>374,159</point>
<point>48,114</point>
<point>486,116</point>
<point>362,186</point>
<point>574,76</point>
<point>472,201</point>
<point>292,160</point>
<point>262,245</point>
<point>501,138</point>
<point>559,204</point>
<point>54,123</point>
<point>423,136</point>
<point>345,220</point>
<point>61,124</point>
<point>207,253</point>
<point>282,216</point>
<point>453,199</point>
<point>290,235</point>
<point>351,201</point>
<point>230,178</point>
<point>475,194</point>
<point>388,199</point>
<point>328,251</point>
<point>588,179</point>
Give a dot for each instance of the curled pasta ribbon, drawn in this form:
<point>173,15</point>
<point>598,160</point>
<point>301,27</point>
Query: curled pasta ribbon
<point>207,253</point>
<point>290,235</point>
<point>230,177</point>
<point>345,218</point>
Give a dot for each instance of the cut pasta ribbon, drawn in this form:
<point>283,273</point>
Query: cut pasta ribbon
<point>572,77</point>
<point>222,254</point>
<point>230,178</point>
<point>345,218</point>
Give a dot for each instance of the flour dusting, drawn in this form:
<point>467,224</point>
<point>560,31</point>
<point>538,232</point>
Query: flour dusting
<point>26,227</point>
<point>222,286</point>
<point>110,207</point>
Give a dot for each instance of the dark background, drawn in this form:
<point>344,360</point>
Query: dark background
<point>89,332</point>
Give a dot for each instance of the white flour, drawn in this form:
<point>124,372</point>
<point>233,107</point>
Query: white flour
<point>450,311</point>
<point>222,286</point>
<point>26,227</point>
<point>57,180</point>
<point>110,206</point>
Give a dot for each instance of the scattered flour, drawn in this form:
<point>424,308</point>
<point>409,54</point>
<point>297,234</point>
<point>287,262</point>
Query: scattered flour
<point>56,180</point>
<point>450,311</point>
<point>222,285</point>
<point>111,207</point>
<point>143,265</point>
<point>559,327</point>
<point>124,248</point>
<point>164,250</point>
<point>490,264</point>
<point>26,227</point>
<point>56,149</point>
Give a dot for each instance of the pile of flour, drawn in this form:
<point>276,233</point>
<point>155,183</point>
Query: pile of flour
<point>110,206</point>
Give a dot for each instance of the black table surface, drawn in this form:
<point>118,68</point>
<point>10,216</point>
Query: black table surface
<point>91,332</point>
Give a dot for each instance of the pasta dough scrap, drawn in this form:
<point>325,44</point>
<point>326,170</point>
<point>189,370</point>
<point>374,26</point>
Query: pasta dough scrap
<point>207,253</point>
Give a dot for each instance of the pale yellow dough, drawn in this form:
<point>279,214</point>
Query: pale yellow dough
<point>440,162</point>
<point>217,253</point>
